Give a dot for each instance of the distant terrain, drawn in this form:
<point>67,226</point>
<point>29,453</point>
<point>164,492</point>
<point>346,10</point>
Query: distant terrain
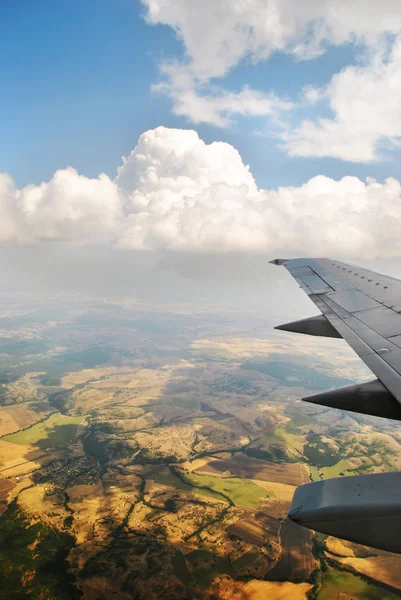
<point>150,453</point>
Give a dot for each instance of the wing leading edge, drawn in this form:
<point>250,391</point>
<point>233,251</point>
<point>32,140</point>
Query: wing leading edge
<point>364,308</point>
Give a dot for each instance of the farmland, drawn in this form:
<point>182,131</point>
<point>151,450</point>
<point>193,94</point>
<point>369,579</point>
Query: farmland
<point>252,468</point>
<point>296,562</point>
<point>241,491</point>
<point>19,459</point>
<point>258,529</point>
<point>334,581</point>
<point>55,431</point>
<point>162,463</point>
<point>20,416</point>
<point>260,590</point>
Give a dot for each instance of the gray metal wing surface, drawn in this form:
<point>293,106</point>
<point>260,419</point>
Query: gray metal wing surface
<point>364,308</point>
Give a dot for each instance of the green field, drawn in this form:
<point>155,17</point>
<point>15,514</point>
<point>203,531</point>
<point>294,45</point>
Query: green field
<point>314,472</point>
<point>334,471</point>
<point>281,445</point>
<point>338,584</point>
<point>292,439</point>
<point>54,432</point>
<point>241,491</point>
<point>167,478</point>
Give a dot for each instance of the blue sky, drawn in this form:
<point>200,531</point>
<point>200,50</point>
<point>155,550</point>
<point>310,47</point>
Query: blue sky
<point>307,94</point>
<point>76,85</point>
<point>76,90</point>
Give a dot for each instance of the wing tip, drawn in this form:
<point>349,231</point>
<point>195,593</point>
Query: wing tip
<point>279,261</point>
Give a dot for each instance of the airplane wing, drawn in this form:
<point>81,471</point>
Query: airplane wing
<point>364,308</point>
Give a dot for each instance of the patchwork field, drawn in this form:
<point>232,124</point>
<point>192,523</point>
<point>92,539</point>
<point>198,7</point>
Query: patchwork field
<point>16,459</point>
<point>252,468</point>
<point>242,492</point>
<point>263,590</point>
<point>5,487</point>
<point>337,585</point>
<point>20,416</point>
<point>258,529</point>
<point>166,477</point>
<point>153,454</point>
<point>278,500</point>
<point>54,432</point>
<point>386,569</point>
<point>296,562</point>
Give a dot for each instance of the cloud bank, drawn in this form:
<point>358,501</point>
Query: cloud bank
<point>218,35</point>
<point>174,193</point>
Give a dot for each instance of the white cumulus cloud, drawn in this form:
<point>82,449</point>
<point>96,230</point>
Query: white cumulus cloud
<point>365,101</point>
<point>214,105</point>
<point>10,210</point>
<point>69,207</point>
<point>174,193</point>
<point>217,35</point>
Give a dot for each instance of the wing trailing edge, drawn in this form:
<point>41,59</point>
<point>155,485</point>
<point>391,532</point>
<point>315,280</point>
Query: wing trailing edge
<point>364,307</point>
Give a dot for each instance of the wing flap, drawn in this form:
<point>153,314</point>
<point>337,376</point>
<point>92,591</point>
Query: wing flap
<point>362,306</point>
<point>355,306</point>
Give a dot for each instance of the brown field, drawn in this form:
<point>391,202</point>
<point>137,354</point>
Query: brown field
<point>219,434</point>
<point>279,498</point>
<point>190,516</point>
<point>19,416</point>
<point>99,588</point>
<point>193,465</point>
<point>174,440</point>
<point>386,569</point>
<point>77,378</point>
<point>24,389</point>
<point>104,387</point>
<point>256,529</point>
<point>162,413</point>
<point>253,468</point>
<point>269,590</point>
<point>296,562</point>
<point>337,547</point>
<point>18,459</point>
<point>48,508</point>
<point>89,398</point>
<point>77,492</point>
<point>5,487</point>
<point>96,513</point>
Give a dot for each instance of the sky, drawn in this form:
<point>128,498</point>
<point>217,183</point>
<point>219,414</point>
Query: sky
<point>188,134</point>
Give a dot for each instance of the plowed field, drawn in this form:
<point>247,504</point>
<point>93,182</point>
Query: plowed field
<point>253,468</point>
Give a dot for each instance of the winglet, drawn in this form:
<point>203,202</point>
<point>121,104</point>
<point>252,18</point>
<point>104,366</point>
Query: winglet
<point>279,261</point>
